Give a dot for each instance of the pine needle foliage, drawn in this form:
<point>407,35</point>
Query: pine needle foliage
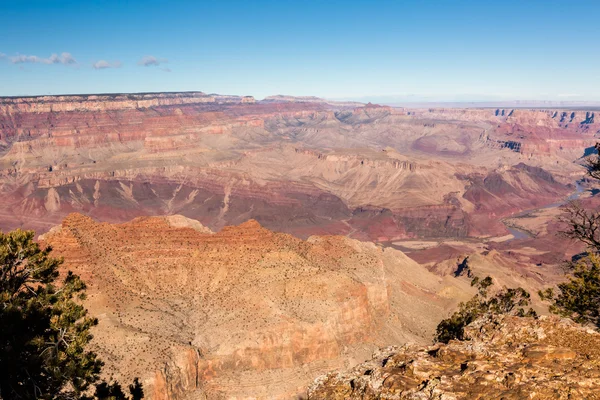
<point>44,328</point>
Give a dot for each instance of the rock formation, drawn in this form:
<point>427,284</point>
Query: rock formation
<point>244,311</point>
<point>503,358</point>
<point>247,312</point>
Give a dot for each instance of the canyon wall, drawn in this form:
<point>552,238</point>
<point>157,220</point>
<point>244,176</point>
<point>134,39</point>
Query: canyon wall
<point>139,183</point>
<point>297,165</point>
<point>250,313</point>
<point>111,102</point>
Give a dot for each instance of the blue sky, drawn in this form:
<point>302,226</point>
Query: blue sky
<point>444,50</point>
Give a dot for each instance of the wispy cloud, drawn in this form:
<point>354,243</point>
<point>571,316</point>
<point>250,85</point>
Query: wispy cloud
<point>165,69</point>
<point>103,64</point>
<point>2,56</point>
<point>568,95</point>
<point>64,58</point>
<point>151,61</point>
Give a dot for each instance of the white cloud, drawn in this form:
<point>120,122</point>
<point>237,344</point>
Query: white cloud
<point>67,58</point>
<point>103,64</point>
<point>64,58</point>
<point>151,61</point>
<point>20,59</point>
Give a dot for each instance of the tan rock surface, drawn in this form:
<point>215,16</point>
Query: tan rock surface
<point>244,312</point>
<point>503,358</point>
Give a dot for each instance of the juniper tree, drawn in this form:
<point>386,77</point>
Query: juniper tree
<point>44,328</point>
<point>507,301</point>
<point>579,297</point>
<point>113,391</point>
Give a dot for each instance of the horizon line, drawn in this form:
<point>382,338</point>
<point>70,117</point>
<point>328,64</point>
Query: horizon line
<point>392,100</point>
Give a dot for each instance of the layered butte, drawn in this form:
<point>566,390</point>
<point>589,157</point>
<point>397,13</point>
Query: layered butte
<point>298,165</point>
<point>247,312</point>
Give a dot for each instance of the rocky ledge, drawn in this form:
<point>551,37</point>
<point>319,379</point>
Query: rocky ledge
<point>503,358</point>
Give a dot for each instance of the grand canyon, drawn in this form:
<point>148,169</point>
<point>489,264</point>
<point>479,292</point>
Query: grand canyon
<point>242,248</point>
<point>301,166</point>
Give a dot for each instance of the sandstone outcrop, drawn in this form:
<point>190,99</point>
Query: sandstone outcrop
<point>503,358</point>
<point>244,312</point>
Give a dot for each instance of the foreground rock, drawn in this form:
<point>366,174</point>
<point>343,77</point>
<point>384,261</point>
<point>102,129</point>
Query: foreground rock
<point>503,358</point>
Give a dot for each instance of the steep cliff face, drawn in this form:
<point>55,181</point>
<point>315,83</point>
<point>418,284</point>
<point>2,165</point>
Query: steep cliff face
<point>244,312</point>
<point>502,358</point>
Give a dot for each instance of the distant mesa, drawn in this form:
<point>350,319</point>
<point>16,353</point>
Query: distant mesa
<point>116,101</point>
<point>308,99</point>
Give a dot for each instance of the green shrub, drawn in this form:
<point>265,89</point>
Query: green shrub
<point>579,297</point>
<point>44,327</point>
<point>506,301</point>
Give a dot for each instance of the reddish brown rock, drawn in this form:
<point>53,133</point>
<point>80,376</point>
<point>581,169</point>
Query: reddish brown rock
<point>244,312</point>
<point>298,165</point>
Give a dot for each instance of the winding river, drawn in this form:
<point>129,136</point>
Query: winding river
<point>521,234</point>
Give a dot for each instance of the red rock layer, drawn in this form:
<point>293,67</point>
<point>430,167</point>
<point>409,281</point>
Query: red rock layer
<point>243,312</point>
<point>302,166</point>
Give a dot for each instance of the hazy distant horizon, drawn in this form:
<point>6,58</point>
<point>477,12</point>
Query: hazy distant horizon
<point>464,50</point>
<point>394,101</point>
